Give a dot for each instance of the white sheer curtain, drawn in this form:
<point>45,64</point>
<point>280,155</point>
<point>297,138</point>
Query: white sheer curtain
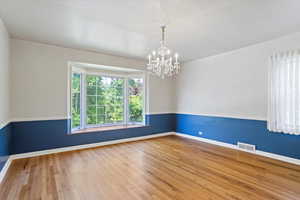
<point>284,91</point>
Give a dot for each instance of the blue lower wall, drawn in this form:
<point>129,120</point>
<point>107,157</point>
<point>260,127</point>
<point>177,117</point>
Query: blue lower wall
<point>5,144</point>
<point>41,135</point>
<point>230,130</point>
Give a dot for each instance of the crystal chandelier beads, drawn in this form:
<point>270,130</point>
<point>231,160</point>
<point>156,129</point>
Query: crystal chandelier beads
<point>161,62</point>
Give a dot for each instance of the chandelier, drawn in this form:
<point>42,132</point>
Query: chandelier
<point>162,62</point>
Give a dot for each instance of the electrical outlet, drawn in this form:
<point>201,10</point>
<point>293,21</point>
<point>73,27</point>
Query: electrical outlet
<point>200,133</point>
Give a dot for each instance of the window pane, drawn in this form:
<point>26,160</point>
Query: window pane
<point>91,90</point>
<point>91,100</point>
<point>91,110</point>
<point>76,100</point>
<point>100,91</point>
<point>136,99</point>
<point>119,91</point>
<point>92,80</point>
<point>104,100</point>
<point>101,100</point>
<point>100,119</point>
<point>101,110</point>
<point>91,119</point>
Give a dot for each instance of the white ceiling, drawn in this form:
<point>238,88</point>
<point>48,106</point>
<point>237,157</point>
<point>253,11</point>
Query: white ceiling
<point>196,28</point>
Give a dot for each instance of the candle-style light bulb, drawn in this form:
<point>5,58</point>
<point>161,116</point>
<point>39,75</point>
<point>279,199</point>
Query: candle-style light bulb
<point>176,57</point>
<point>154,53</point>
<point>149,57</point>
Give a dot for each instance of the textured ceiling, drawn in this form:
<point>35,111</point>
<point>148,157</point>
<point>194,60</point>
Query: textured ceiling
<point>195,28</point>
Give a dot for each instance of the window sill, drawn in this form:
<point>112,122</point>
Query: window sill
<point>107,128</point>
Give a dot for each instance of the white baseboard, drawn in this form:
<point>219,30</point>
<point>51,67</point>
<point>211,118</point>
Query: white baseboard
<point>85,146</point>
<point>5,169</point>
<point>257,152</point>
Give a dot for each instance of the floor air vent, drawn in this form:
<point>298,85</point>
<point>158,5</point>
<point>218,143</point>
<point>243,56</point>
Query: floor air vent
<point>247,147</point>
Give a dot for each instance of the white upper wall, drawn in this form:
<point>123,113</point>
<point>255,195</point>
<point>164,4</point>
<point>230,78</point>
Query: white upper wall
<point>4,76</point>
<point>233,84</point>
<point>40,80</point>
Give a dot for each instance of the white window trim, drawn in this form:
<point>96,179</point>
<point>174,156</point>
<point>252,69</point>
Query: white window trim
<point>83,124</point>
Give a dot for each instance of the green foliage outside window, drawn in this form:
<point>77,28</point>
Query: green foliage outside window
<point>105,100</point>
<point>135,100</point>
<point>75,100</point>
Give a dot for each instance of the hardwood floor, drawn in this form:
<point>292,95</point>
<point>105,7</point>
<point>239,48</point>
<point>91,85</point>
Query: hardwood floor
<point>164,168</point>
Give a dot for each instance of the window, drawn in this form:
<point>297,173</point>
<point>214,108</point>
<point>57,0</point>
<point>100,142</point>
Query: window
<point>76,85</point>
<point>284,92</point>
<point>135,90</point>
<point>106,100</point>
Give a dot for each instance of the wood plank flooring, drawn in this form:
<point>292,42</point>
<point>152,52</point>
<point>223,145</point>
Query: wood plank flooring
<point>163,168</point>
